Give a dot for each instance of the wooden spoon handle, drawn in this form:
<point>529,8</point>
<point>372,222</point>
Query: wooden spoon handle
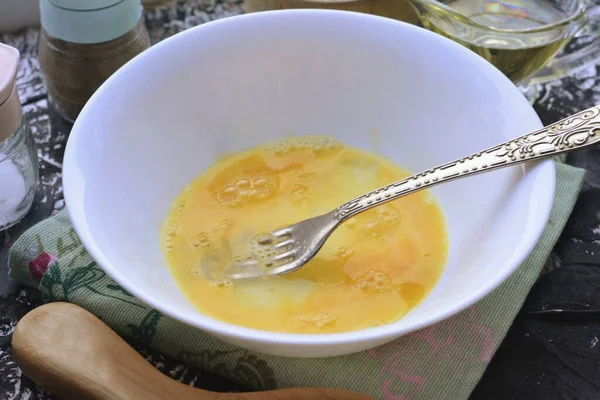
<point>74,355</point>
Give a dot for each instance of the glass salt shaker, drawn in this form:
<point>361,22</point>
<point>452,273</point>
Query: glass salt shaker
<point>18,156</point>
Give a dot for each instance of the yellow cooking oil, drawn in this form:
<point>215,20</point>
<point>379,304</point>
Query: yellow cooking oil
<point>519,37</point>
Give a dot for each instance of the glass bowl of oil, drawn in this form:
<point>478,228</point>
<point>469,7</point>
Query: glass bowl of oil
<point>519,37</point>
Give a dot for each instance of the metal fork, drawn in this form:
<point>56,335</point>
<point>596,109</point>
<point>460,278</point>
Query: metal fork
<point>294,245</point>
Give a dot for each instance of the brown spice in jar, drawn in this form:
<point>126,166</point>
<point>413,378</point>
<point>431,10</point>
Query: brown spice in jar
<point>72,72</point>
<point>156,3</point>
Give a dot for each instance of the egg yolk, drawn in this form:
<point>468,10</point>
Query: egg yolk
<point>373,269</point>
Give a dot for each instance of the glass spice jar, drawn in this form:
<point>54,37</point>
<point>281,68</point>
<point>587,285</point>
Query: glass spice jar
<point>18,156</point>
<point>82,43</point>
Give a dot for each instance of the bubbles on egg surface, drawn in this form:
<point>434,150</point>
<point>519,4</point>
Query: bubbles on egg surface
<point>325,146</point>
<point>264,187</point>
<point>229,194</point>
<point>301,193</point>
<point>180,206</point>
<point>245,181</point>
<point>317,145</point>
<point>248,190</point>
<point>252,254</point>
<point>279,147</point>
<point>172,233</point>
<point>385,216</point>
<point>243,184</point>
<point>343,254</point>
<point>261,182</point>
<point>263,239</point>
<point>374,281</point>
<point>226,224</point>
<point>202,239</point>
<point>221,283</point>
<point>261,247</point>
<point>376,222</point>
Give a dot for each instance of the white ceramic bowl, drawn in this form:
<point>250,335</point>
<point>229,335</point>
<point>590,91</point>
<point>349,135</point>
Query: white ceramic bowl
<point>226,85</point>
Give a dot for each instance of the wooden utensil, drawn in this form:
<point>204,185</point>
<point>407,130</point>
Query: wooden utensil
<point>73,354</point>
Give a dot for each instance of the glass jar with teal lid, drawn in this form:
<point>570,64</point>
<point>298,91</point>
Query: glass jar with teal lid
<point>82,43</point>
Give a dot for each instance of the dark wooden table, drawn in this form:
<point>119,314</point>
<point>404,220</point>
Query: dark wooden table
<point>541,358</point>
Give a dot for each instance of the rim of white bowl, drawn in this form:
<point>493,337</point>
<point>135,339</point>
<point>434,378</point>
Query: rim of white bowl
<point>544,170</point>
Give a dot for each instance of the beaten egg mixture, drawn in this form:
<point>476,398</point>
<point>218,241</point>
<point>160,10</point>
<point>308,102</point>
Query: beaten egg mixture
<point>372,270</point>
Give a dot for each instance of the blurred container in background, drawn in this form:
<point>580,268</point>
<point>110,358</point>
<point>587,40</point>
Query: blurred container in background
<point>396,9</point>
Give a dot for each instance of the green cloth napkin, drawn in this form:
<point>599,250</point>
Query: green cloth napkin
<point>443,361</point>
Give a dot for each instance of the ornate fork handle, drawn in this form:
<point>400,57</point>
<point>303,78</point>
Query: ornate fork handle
<point>573,133</point>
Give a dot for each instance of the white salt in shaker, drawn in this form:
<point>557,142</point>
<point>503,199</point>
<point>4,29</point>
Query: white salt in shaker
<point>18,156</point>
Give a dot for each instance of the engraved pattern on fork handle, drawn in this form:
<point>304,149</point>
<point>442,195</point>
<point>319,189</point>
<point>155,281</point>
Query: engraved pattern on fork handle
<point>572,133</point>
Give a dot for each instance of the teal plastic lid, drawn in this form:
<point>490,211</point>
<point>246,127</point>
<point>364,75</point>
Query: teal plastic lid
<point>89,21</point>
<point>85,5</point>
